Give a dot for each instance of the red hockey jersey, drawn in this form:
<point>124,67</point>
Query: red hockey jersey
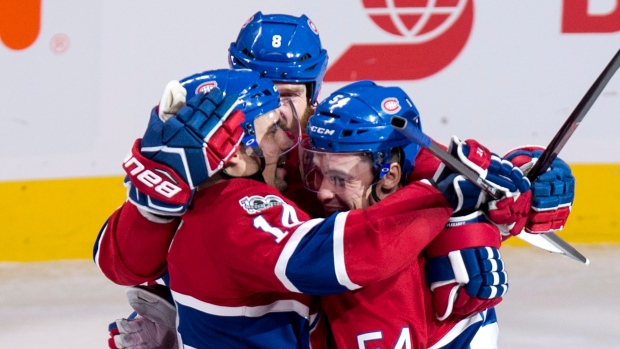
<point>244,258</point>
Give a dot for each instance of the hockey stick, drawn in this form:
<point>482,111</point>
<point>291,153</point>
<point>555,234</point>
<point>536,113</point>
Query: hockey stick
<point>555,146</point>
<point>416,135</point>
<point>566,131</point>
<point>552,244</point>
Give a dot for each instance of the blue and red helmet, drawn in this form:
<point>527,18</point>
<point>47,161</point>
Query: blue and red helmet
<point>356,118</point>
<point>282,48</point>
<point>257,96</point>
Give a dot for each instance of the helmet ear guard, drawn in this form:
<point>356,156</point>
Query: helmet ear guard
<point>282,48</point>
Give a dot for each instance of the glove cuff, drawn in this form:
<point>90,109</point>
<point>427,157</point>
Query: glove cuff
<point>154,179</point>
<point>461,237</point>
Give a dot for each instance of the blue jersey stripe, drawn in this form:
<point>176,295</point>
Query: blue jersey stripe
<point>469,330</point>
<point>98,243</point>
<point>310,265</point>
<point>283,329</point>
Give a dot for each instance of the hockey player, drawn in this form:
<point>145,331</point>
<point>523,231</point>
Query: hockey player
<point>296,63</point>
<point>287,50</point>
<point>244,257</point>
<point>354,158</point>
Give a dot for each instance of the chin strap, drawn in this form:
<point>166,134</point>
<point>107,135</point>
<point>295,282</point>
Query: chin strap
<point>373,192</point>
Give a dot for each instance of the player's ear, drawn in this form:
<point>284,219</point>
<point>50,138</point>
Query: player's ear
<point>241,164</point>
<point>234,159</point>
<point>235,164</point>
<point>390,181</point>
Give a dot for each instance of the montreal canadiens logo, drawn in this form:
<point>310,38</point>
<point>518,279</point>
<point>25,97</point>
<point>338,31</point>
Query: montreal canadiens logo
<point>206,87</point>
<point>390,105</point>
<point>247,22</point>
<point>425,37</point>
<point>313,27</point>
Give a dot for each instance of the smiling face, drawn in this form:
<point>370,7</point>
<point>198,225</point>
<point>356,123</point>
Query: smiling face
<point>342,181</point>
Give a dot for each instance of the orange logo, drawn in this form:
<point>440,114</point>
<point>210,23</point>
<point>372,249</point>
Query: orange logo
<point>20,22</point>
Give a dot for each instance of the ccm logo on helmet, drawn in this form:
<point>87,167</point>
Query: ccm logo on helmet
<point>321,130</point>
<point>150,178</point>
<point>390,105</point>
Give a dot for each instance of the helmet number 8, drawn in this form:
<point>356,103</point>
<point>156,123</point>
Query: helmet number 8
<point>276,41</point>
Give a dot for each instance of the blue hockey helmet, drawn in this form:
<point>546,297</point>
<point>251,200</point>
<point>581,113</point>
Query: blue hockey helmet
<point>356,118</point>
<point>257,96</point>
<point>258,99</point>
<point>282,48</point>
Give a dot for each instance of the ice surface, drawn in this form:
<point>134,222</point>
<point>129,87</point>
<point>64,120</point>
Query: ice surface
<point>553,302</point>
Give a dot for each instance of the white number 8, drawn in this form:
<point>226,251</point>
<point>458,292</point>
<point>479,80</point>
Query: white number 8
<point>276,41</point>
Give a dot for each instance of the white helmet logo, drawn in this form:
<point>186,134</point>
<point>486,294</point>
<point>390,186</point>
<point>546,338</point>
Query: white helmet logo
<point>206,87</point>
<point>390,105</point>
<point>313,27</point>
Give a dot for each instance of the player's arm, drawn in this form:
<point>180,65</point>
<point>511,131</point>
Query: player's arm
<point>359,247</point>
<point>132,249</point>
<point>164,168</point>
<point>352,249</point>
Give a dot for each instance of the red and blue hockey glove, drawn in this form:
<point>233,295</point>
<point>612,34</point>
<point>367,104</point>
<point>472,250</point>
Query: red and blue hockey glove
<point>178,153</point>
<point>152,325</point>
<point>464,269</point>
<point>464,196</point>
<point>553,192</point>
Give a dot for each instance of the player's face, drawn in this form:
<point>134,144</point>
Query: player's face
<point>274,142</point>
<point>296,94</point>
<point>343,181</point>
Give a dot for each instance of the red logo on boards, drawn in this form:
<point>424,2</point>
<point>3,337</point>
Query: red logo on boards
<point>432,34</point>
<point>577,18</point>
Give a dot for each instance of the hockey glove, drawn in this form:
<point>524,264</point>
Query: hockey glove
<point>553,192</point>
<point>464,196</point>
<point>154,327</point>
<point>464,269</point>
<point>179,153</point>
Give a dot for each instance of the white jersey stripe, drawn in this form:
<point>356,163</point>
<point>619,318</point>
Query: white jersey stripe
<point>280,306</point>
<point>339,263</point>
<point>457,330</point>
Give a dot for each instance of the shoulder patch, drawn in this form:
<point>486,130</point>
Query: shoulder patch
<point>253,204</point>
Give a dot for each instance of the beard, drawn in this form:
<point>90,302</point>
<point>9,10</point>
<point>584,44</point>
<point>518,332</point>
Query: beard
<point>281,185</point>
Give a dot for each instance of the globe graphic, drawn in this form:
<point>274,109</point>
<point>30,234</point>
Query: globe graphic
<point>416,20</point>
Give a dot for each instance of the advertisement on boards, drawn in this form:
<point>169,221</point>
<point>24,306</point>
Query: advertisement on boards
<point>78,81</point>
<point>72,83</point>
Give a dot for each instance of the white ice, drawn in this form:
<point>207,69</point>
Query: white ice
<point>553,302</point>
